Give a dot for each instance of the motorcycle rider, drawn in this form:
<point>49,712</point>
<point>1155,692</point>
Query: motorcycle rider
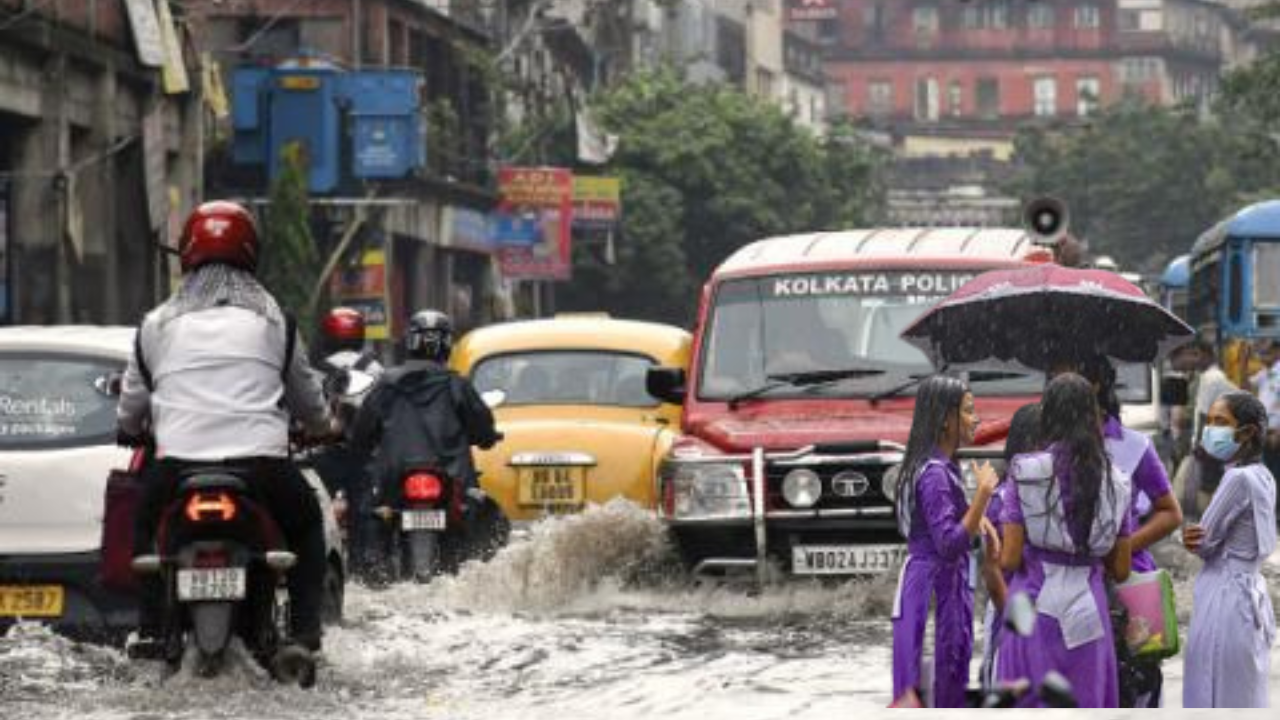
<point>217,372</point>
<point>423,412</point>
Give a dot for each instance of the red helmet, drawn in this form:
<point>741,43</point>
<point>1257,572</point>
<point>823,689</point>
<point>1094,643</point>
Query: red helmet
<point>343,324</point>
<point>221,232</point>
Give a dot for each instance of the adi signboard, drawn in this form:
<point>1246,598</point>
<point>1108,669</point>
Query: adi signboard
<point>544,197</point>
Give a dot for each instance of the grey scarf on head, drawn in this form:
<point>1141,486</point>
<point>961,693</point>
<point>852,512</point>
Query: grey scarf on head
<point>218,285</point>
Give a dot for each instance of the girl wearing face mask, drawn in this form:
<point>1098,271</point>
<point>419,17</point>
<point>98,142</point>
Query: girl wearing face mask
<point>940,526</point>
<point>1232,621</point>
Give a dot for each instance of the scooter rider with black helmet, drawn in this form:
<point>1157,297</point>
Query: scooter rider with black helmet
<point>422,411</point>
<point>217,372</point>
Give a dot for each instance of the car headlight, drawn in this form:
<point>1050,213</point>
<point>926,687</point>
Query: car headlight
<point>802,488</point>
<point>704,491</point>
<point>889,482</point>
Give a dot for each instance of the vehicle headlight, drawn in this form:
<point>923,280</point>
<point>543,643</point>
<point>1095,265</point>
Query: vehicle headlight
<point>703,491</point>
<point>889,482</point>
<point>802,488</point>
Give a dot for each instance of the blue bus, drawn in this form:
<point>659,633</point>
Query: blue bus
<point>1235,284</point>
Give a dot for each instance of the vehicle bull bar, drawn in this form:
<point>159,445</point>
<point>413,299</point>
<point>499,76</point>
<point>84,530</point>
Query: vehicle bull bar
<point>868,452</point>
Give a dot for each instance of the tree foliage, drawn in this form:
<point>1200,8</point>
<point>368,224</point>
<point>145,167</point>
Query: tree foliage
<point>1143,182</point>
<point>705,170</point>
<point>290,261</point>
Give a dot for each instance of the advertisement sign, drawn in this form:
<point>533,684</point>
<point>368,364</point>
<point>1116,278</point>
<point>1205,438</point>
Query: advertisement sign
<point>364,288</point>
<point>467,229</point>
<point>546,196</point>
<point>802,10</point>
<point>597,202</point>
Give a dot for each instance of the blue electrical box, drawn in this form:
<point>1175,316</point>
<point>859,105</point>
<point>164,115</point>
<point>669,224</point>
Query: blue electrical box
<point>352,125</point>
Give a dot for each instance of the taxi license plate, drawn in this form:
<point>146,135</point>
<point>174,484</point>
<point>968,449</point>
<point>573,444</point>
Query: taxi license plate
<point>846,559</point>
<point>29,601</point>
<point>542,486</point>
<point>422,520</point>
<point>196,584</point>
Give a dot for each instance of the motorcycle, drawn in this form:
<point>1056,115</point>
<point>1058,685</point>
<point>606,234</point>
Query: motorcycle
<point>223,562</point>
<point>418,524</point>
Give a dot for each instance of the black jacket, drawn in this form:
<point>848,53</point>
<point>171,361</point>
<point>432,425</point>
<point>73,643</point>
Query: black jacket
<point>421,414</point>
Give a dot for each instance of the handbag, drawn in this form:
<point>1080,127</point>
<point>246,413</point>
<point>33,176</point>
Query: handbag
<point>122,496</point>
<point>1152,629</point>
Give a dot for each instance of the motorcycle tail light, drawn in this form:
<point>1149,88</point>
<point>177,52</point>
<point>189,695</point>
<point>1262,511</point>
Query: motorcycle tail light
<point>423,487</point>
<point>211,507</point>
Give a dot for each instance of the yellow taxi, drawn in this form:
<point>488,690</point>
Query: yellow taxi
<point>569,394</point>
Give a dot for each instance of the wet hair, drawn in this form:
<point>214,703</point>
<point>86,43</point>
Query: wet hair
<point>1069,427</point>
<point>938,399</point>
<point>1024,433</point>
<point>1248,411</point>
<point>1099,371</point>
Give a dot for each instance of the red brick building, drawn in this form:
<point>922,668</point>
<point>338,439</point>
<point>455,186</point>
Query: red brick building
<point>977,65</point>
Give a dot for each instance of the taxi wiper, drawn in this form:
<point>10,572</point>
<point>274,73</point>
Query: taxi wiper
<point>812,378</point>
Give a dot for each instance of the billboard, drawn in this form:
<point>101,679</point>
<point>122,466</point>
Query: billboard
<point>543,196</point>
<point>364,287</point>
<point>804,10</point>
<point>597,202</point>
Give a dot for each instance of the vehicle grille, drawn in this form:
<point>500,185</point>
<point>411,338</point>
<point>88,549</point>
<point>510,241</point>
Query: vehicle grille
<point>831,499</point>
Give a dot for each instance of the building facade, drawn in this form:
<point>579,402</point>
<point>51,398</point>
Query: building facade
<point>99,126</point>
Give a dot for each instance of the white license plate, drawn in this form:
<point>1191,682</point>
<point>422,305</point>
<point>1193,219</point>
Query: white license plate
<point>422,520</point>
<point>195,584</point>
<point>846,559</point>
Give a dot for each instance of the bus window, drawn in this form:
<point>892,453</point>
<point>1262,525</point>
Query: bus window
<point>1235,301</point>
<point>1266,268</point>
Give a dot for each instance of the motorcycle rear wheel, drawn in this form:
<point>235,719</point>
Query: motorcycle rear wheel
<point>420,555</point>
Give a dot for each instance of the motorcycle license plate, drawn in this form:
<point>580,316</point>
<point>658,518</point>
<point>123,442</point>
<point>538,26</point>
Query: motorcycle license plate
<point>550,485</point>
<point>196,584</point>
<point>846,559</point>
<point>29,601</point>
<point>422,520</point>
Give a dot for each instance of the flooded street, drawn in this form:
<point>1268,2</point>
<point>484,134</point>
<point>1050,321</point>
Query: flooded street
<point>578,620</point>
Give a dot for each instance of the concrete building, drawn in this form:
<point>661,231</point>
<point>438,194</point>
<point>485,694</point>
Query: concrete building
<point>99,125</point>
<point>430,228</point>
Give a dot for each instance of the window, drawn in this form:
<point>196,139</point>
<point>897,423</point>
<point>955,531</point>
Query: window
<point>49,401</point>
<point>992,14</point>
<point>1130,20</point>
<point>927,99</point>
<point>987,98</point>
<point>1046,96</point>
<point>879,97</point>
<point>1040,15</point>
<point>1088,16</point>
<point>998,14</point>
<point>875,21</point>
<point>971,17</point>
<point>954,99</point>
<point>1088,95</point>
<point>567,377</point>
<point>924,19</point>
<point>764,82</point>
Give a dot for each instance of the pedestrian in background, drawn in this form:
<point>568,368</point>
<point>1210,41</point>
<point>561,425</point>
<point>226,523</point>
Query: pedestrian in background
<point>1232,620</point>
<point>1066,523</point>
<point>940,526</point>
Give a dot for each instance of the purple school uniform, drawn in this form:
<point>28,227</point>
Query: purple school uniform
<point>937,568</point>
<point>1133,453</point>
<point>1232,621</point>
<point>1073,628</point>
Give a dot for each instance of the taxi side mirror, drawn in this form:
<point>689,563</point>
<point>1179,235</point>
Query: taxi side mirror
<point>1173,391</point>
<point>666,383</point>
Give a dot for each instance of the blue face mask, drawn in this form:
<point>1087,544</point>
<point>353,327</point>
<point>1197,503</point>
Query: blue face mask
<point>1220,442</point>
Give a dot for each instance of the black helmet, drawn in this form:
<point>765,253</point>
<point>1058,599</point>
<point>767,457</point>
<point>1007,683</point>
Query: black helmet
<point>430,336</point>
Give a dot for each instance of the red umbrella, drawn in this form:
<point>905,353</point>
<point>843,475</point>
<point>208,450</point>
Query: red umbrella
<point>1039,316</point>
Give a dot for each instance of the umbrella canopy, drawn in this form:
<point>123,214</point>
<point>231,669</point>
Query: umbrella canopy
<point>1039,316</point>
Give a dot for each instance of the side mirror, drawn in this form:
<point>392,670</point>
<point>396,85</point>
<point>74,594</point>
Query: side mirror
<point>666,383</point>
<point>1173,391</point>
<point>494,398</point>
<point>1020,614</point>
<point>110,384</point>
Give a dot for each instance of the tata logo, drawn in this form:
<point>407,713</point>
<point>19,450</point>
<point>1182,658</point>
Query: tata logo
<point>850,484</point>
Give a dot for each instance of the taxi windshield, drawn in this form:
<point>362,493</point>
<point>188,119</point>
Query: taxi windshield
<point>763,328</point>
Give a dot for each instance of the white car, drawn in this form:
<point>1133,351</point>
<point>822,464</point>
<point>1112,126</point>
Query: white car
<point>58,394</point>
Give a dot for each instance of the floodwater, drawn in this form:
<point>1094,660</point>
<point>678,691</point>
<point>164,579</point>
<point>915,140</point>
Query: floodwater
<point>584,618</point>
